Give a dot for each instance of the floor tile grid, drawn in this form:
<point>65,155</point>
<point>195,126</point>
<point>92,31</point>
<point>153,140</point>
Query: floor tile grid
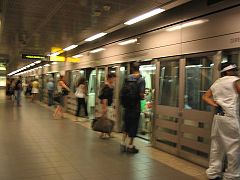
<point>165,158</point>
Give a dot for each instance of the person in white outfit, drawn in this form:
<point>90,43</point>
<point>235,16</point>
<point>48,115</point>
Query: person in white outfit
<point>225,135</point>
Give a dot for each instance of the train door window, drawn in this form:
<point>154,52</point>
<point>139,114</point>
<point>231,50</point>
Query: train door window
<point>232,55</point>
<point>146,117</point>
<point>100,78</point>
<point>169,83</point>
<point>91,79</point>
<point>75,75</point>
<point>198,79</point>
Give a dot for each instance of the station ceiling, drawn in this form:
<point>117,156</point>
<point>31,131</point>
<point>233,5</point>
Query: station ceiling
<point>35,26</point>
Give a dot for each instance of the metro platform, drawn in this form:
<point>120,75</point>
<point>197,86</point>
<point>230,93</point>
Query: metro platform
<point>34,146</point>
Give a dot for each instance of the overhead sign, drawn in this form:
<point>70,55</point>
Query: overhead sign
<point>57,58</point>
<point>74,60</point>
<point>34,57</point>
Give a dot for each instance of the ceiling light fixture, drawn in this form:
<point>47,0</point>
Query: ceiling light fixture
<point>192,23</point>
<point>54,62</point>
<point>37,62</point>
<point>55,54</point>
<point>46,65</point>
<point>144,16</point>
<point>77,56</point>
<point>70,47</point>
<point>95,36</point>
<point>97,50</point>
<point>130,41</point>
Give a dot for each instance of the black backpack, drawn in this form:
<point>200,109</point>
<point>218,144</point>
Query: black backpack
<point>130,93</point>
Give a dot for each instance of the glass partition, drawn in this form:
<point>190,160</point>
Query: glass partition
<point>146,117</point>
<point>91,92</point>
<point>198,79</point>
<point>169,83</point>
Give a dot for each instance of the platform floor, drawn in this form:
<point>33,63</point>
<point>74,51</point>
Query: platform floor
<point>33,146</point>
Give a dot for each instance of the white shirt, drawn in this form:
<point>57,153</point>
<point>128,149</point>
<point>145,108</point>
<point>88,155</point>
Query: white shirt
<point>80,91</point>
<point>225,95</point>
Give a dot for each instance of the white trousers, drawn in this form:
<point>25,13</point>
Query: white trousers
<point>225,142</point>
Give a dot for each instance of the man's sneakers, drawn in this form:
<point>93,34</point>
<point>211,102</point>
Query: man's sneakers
<point>130,150</point>
<point>217,178</point>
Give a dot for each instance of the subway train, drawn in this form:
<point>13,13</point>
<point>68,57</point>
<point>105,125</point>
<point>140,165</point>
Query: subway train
<point>179,52</point>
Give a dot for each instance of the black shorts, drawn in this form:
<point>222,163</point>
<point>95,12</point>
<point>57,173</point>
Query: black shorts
<point>131,122</point>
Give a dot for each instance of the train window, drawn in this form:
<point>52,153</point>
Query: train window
<point>198,79</point>
<point>169,83</point>
<point>232,56</point>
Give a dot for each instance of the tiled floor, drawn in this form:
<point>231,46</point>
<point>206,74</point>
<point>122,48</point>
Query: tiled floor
<point>36,147</point>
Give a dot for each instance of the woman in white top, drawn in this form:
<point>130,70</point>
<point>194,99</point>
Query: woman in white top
<point>80,93</point>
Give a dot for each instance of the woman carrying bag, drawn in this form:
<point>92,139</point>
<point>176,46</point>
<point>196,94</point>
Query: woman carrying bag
<point>81,93</point>
<point>62,90</point>
<point>106,97</point>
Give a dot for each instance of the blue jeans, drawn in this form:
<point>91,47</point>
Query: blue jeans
<point>18,96</point>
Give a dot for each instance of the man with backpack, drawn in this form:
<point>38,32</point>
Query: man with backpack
<point>131,94</point>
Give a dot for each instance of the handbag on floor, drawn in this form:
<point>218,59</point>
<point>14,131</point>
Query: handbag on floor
<point>102,124</point>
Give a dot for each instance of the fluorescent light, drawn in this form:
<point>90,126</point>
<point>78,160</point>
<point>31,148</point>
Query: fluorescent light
<point>55,54</point>
<point>147,68</point>
<point>77,56</point>
<point>97,50</point>
<point>37,62</point>
<point>122,68</point>
<point>224,60</point>
<point>54,62</point>
<point>193,66</point>
<point>192,23</point>
<point>144,16</point>
<point>46,65</point>
<point>40,67</point>
<point>130,41</point>
<point>95,36</point>
<point>70,47</point>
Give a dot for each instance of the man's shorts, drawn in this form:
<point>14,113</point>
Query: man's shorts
<point>131,122</point>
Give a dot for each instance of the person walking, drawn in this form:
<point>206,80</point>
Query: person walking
<point>18,90</point>
<point>106,98</point>
<point>225,134</point>
<point>50,89</point>
<point>62,90</point>
<point>81,93</point>
<point>131,95</point>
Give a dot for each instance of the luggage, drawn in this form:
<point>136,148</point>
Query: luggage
<point>102,124</point>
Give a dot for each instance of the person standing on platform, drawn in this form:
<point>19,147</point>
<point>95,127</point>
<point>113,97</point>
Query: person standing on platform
<point>225,135</point>
<point>62,91</point>
<point>130,96</point>
<point>35,89</point>
<point>81,93</point>
<point>18,90</point>
<point>106,97</point>
<point>50,89</point>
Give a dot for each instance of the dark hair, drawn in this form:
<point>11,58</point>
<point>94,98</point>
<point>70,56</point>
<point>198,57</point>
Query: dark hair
<point>135,67</point>
<point>111,75</point>
<point>81,80</point>
<point>223,65</point>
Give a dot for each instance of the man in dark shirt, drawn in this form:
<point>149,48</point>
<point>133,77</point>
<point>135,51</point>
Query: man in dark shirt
<point>132,115</point>
<point>18,89</point>
<point>106,97</point>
